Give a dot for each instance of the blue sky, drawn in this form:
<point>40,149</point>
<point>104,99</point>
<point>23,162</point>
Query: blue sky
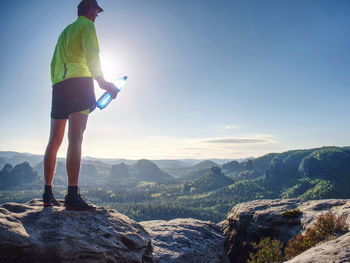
<point>223,79</point>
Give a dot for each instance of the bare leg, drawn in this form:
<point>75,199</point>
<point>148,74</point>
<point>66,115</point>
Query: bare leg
<point>55,140</point>
<point>77,125</point>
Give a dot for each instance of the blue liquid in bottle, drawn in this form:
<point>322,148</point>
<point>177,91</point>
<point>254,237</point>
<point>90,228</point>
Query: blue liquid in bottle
<point>106,98</point>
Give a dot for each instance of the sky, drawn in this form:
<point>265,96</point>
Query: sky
<point>207,79</point>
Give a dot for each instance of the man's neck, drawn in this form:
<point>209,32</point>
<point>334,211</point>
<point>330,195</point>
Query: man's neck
<point>87,17</point>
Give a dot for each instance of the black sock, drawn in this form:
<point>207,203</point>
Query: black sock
<point>72,190</point>
<point>48,189</point>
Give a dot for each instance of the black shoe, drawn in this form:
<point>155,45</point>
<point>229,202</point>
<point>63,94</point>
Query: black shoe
<point>76,202</point>
<point>49,200</point>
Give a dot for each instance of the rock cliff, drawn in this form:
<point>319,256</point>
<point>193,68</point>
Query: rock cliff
<point>337,250</point>
<point>31,233</point>
<point>251,221</point>
<point>186,240</point>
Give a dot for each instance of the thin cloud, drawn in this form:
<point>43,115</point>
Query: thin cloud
<point>197,148</point>
<point>237,141</point>
<point>232,127</point>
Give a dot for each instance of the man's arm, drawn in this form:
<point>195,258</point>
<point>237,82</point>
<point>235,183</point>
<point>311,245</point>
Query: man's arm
<point>108,86</point>
<point>92,56</point>
<point>91,50</point>
<point>53,65</point>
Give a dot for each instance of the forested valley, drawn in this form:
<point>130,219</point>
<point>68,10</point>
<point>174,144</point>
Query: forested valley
<point>147,190</point>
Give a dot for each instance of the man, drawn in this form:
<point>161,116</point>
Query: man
<point>75,63</point>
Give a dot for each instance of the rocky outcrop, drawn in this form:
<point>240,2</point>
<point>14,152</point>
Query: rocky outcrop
<point>31,233</point>
<point>337,250</point>
<point>186,240</point>
<point>251,221</point>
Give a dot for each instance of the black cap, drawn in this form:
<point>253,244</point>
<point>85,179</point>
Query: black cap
<point>87,3</point>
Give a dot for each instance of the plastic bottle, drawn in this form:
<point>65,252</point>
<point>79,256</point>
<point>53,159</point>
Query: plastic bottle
<point>106,98</point>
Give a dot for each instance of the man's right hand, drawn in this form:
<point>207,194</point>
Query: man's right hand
<point>108,86</point>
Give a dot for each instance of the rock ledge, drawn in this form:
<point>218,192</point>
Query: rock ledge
<point>31,233</point>
<point>186,240</point>
<point>252,221</point>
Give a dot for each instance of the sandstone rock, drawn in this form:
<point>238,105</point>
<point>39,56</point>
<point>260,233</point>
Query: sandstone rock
<point>186,240</point>
<point>31,233</point>
<point>251,221</point>
<point>337,250</point>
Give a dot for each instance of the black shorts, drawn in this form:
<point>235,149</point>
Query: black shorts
<point>72,95</point>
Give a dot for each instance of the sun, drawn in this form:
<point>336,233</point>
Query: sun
<point>109,67</point>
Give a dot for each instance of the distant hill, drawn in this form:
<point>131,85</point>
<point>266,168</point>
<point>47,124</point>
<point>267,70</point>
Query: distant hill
<point>214,179</point>
<point>102,168</point>
<point>165,163</point>
<point>312,174</point>
<point>3,161</point>
<point>222,161</point>
<point>89,174</point>
<point>20,175</point>
<point>146,170</point>
<point>186,163</point>
<point>306,174</point>
<point>172,163</point>
<point>192,174</point>
<point>119,172</point>
<point>161,163</point>
<point>7,154</point>
<point>205,164</point>
<point>16,158</point>
<point>104,164</point>
<point>249,169</point>
<point>188,174</point>
<point>109,161</point>
<point>143,190</point>
<point>142,170</point>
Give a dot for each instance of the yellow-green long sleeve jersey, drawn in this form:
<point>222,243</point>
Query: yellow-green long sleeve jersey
<point>76,52</point>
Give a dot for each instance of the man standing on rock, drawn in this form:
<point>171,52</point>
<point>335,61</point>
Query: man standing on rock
<point>75,63</point>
